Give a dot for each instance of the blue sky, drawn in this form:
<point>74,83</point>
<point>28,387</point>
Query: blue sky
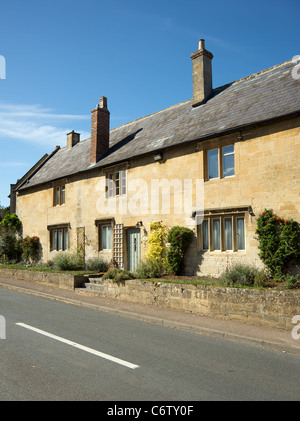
<point>61,56</point>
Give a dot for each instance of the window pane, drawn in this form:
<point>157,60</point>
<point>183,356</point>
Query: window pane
<point>216,234</point>
<point>240,233</point>
<point>228,234</point>
<point>66,239</point>
<point>205,244</point>
<point>109,237</point>
<point>213,163</point>
<point>60,239</point>
<point>63,195</point>
<point>123,182</point>
<point>110,185</point>
<point>53,245</point>
<point>117,183</point>
<point>56,196</point>
<point>106,237</point>
<point>228,161</point>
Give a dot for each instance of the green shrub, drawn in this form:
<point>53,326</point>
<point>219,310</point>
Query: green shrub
<point>67,261</point>
<point>156,241</point>
<point>291,281</point>
<point>243,275</point>
<point>151,268</point>
<point>279,241</point>
<point>96,265</point>
<point>111,273</point>
<point>261,278</point>
<point>180,239</point>
<point>13,248</point>
<point>10,246</point>
<point>30,248</point>
<point>118,275</point>
<point>124,276</point>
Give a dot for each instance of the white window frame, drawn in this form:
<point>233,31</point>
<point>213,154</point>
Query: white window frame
<point>115,183</point>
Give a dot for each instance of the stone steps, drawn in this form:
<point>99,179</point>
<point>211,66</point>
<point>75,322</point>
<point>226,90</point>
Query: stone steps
<point>93,285</point>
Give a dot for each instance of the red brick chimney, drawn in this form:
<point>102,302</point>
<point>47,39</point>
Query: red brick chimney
<point>99,130</point>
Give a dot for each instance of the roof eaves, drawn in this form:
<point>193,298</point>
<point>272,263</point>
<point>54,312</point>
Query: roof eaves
<point>206,136</point>
<point>35,168</point>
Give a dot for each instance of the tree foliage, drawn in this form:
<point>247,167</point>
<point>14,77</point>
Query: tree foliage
<point>11,222</point>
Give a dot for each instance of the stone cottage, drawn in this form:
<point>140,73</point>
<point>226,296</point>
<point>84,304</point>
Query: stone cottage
<point>211,163</point>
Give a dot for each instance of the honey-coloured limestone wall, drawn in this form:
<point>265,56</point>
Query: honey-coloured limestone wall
<point>266,175</point>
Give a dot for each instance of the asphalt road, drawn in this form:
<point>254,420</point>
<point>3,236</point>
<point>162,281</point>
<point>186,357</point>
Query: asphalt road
<point>58,351</point>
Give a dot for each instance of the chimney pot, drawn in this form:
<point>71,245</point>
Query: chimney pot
<point>201,44</point>
<point>103,102</point>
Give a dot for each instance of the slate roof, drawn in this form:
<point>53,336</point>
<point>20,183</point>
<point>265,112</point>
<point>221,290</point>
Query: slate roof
<point>263,96</point>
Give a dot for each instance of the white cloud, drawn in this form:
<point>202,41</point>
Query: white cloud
<point>36,111</point>
<point>37,125</point>
<point>10,164</point>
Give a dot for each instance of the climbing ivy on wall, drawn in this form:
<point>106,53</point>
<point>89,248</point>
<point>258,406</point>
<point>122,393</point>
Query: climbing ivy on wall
<point>279,241</point>
<point>179,239</point>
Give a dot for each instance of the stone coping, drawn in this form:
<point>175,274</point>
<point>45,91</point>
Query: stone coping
<point>265,307</point>
<point>62,280</point>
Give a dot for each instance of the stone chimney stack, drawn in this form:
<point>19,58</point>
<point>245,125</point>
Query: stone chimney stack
<point>99,130</point>
<point>72,139</point>
<point>202,74</point>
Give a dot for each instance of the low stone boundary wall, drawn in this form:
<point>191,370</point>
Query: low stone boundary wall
<point>62,280</point>
<point>263,307</point>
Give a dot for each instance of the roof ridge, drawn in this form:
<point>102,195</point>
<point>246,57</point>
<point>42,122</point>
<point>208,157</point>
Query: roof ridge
<point>151,114</point>
<point>261,72</point>
<point>253,75</point>
<point>215,89</point>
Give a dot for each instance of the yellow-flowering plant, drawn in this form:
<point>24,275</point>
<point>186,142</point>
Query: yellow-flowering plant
<point>156,242</point>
